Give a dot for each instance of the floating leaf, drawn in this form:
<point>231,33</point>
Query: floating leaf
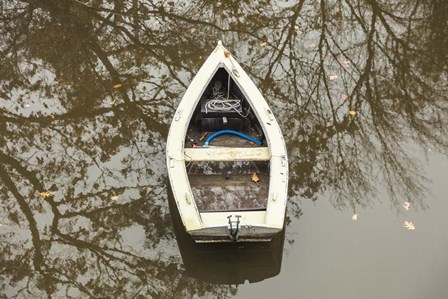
<point>355,217</point>
<point>408,225</point>
<point>345,64</point>
<point>254,177</point>
<point>264,43</point>
<point>407,205</point>
<point>118,85</point>
<point>46,194</point>
<point>296,27</point>
<point>352,113</point>
<point>332,77</point>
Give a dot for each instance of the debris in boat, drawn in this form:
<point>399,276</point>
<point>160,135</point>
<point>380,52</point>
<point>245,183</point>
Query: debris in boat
<point>203,136</point>
<point>46,194</point>
<point>226,53</point>
<point>114,197</point>
<point>255,178</point>
<point>355,217</point>
<point>408,225</point>
<point>407,205</point>
<point>118,85</point>
<point>251,143</point>
<point>352,112</point>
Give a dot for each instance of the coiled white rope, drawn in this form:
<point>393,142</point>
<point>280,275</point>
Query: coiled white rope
<point>220,103</point>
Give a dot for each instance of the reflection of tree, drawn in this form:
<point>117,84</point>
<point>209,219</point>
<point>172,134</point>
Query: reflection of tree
<point>66,129</point>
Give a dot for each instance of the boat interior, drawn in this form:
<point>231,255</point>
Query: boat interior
<point>226,154</point>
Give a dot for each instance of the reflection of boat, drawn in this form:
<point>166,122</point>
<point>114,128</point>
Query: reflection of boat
<point>231,185</point>
<point>228,263</point>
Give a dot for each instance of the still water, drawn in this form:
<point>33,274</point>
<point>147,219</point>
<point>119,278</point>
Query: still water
<point>87,92</point>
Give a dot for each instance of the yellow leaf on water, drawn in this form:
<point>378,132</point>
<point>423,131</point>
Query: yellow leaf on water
<point>46,194</point>
<point>352,113</point>
<point>254,177</point>
<point>408,225</point>
<point>264,43</point>
<point>118,85</point>
<point>407,205</point>
<point>114,197</point>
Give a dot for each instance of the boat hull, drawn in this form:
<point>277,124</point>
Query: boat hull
<point>244,198</point>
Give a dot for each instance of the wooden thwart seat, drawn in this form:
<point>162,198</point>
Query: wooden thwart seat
<point>217,154</point>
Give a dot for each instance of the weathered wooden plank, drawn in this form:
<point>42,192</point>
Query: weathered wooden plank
<point>229,192</point>
<point>215,154</point>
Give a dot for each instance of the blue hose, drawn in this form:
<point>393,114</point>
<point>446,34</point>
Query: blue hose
<point>231,132</point>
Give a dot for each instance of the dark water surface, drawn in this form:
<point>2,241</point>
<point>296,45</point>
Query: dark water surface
<point>87,93</point>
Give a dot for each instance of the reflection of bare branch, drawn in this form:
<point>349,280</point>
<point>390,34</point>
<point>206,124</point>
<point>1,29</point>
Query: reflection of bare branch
<point>38,258</point>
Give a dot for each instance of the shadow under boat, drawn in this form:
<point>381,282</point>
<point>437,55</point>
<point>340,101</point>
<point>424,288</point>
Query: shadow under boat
<point>227,263</point>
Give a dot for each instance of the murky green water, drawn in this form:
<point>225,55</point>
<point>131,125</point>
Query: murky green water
<point>87,92</point>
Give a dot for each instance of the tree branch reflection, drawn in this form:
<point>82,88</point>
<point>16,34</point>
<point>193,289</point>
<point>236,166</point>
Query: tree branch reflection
<point>354,84</point>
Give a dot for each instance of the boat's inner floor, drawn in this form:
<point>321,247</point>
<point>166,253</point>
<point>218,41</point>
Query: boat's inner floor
<point>224,186</point>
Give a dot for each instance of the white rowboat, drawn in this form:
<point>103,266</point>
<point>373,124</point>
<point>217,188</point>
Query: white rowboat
<point>226,157</point>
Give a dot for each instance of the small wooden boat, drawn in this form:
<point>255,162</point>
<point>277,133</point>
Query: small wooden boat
<point>226,157</point>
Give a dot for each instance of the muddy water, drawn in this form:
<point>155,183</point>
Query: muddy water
<point>87,93</point>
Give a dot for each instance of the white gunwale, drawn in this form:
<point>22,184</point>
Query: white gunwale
<point>193,220</point>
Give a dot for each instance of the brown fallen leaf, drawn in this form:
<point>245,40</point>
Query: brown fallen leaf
<point>226,53</point>
<point>254,177</point>
<point>118,85</point>
<point>203,136</point>
<point>46,194</point>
